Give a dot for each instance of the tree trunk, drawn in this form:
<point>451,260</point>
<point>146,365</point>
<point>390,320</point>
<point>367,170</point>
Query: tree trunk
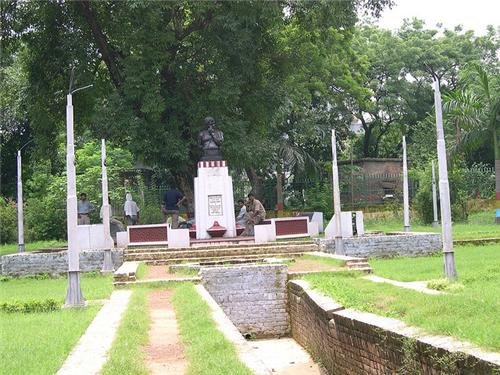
<point>256,182</point>
<point>280,177</point>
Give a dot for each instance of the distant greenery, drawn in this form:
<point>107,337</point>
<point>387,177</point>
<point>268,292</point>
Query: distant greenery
<point>208,351</point>
<point>468,313</point>
<point>479,225</point>
<point>30,246</point>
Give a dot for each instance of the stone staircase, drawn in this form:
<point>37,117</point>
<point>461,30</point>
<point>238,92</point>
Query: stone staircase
<point>358,264</point>
<point>157,255</point>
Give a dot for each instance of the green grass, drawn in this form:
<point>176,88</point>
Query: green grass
<point>207,350</point>
<point>324,260</point>
<point>480,225</point>
<point>94,286</point>
<point>126,356</point>
<point>469,313</point>
<point>38,343</point>
<point>32,246</point>
<point>142,271</point>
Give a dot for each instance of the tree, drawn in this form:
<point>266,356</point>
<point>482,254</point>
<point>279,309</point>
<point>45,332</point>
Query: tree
<point>473,109</point>
<point>159,68</point>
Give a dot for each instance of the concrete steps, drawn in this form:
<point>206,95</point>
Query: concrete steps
<point>228,259</point>
<point>158,255</point>
<point>360,264</point>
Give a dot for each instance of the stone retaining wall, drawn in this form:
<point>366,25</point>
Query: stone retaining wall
<point>27,263</point>
<point>346,341</point>
<point>401,243</point>
<point>252,296</point>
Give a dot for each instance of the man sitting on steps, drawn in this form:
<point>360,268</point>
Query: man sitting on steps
<point>255,214</point>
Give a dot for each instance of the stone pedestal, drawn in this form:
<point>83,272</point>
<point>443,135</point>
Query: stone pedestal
<point>213,198</point>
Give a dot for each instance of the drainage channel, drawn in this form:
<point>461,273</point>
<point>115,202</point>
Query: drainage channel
<point>249,305</point>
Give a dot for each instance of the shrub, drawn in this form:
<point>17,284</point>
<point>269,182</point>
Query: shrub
<point>8,221</point>
<point>32,306</point>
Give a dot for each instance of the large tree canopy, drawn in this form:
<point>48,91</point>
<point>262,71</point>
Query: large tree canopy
<point>158,68</point>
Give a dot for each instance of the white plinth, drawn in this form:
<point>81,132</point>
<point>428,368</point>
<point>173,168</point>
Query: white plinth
<point>177,238</point>
<point>213,198</point>
<point>347,231</point>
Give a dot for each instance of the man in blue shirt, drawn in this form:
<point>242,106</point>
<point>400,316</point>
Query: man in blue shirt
<point>171,203</point>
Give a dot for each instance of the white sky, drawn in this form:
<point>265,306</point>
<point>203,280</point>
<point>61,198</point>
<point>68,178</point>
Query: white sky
<point>471,14</point>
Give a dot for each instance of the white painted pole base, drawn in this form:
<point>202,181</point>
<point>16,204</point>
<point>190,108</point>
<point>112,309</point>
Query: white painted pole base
<point>108,266</point>
<point>407,228</point>
<point>339,246</point>
<point>449,265</point>
<point>74,296</point>
<point>20,248</point>
<point>435,224</point>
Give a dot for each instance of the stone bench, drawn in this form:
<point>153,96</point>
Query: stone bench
<point>126,272</point>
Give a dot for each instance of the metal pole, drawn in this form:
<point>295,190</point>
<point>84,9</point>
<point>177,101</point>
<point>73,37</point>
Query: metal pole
<point>108,262</point>
<point>444,189</point>
<point>406,200</point>
<point>20,217</point>
<point>434,198</point>
<point>74,296</point>
<point>339,243</point>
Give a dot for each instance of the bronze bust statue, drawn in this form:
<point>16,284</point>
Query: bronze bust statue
<point>210,140</point>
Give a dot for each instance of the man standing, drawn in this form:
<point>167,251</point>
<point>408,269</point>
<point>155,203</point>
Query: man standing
<point>84,208</point>
<point>255,214</point>
<point>170,207</point>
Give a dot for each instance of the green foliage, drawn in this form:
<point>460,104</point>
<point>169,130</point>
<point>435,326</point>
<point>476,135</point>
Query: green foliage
<point>445,285</point>
<point>8,221</point>
<point>32,306</point>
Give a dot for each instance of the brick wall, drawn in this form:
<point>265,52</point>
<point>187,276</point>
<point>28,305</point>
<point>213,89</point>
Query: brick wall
<point>346,341</point>
<point>409,244</point>
<point>54,262</point>
<point>252,296</point>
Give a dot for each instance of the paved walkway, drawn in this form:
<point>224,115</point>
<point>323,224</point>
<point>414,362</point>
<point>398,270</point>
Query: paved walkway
<point>90,353</point>
<point>284,357</point>
<point>419,286</point>
<point>164,352</point>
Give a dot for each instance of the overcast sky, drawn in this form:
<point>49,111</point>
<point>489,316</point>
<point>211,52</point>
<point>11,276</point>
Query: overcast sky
<point>472,14</point>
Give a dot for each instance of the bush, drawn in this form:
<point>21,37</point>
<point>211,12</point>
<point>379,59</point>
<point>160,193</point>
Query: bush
<point>8,221</point>
<point>32,306</point>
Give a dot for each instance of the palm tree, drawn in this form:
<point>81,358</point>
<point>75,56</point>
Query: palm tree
<point>474,110</point>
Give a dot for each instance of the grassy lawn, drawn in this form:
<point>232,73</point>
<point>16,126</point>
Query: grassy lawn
<point>38,343</point>
<point>480,225</point>
<point>94,286</point>
<point>32,246</point>
<point>126,356</point>
<point>470,313</point>
<point>207,350</point>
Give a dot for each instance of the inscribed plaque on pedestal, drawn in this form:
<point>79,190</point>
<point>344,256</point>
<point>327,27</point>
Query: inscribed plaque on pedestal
<point>215,205</point>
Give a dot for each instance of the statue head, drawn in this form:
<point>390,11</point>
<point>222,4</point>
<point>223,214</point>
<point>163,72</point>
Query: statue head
<point>209,122</point>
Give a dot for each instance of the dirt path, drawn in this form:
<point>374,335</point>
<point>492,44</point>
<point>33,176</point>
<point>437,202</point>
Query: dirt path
<point>162,273</point>
<point>164,352</point>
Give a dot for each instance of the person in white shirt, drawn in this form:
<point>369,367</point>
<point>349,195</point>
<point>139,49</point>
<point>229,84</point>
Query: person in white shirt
<point>241,219</point>
<point>131,210</point>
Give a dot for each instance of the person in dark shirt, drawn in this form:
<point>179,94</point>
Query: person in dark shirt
<point>170,207</point>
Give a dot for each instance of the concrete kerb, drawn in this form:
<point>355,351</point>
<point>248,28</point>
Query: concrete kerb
<point>232,334</point>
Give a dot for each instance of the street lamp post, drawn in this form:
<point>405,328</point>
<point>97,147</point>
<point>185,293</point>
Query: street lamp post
<point>339,242</point>
<point>406,199</point>
<point>444,189</point>
<point>20,202</point>
<point>435,223</point>
<point>74,296</point>
<point>108,262</point>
